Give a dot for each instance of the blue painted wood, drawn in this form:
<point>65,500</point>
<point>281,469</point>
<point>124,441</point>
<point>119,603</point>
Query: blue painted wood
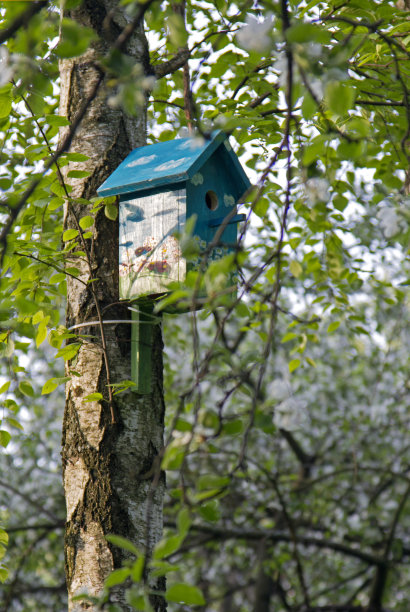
<point>163,163</point>
<point>160,187</point>
<point>220,220</point>
<point>220,177</point>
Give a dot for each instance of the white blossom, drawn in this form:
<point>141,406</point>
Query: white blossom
<point>314,50</point>
<point>390,221</point>
<point>148,82</point>
<point>290,414</point>
<point>317,190</point>
<point>281,66</point>
<point>192,143</point>
<point>183,132</point>
<point>316,85</point>
<point>279,389</point>
<point>256,35</point>
<point>6,70</point>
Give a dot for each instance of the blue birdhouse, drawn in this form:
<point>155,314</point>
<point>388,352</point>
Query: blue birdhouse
<point>160,187</point>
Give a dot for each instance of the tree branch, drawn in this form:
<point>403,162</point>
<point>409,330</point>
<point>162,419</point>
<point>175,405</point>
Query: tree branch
<point>176,62</point>
<point>226,533</point>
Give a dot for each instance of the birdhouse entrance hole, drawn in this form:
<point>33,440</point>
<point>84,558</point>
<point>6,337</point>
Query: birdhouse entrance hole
<point>211,200</point>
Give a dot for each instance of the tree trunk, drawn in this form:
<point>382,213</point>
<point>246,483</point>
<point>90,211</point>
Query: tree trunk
<point>103,461</point>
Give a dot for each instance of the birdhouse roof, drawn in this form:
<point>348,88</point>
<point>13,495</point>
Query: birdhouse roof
<point>170,162</point>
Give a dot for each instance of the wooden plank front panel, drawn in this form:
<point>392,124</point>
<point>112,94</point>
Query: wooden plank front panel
<point>150,256</point>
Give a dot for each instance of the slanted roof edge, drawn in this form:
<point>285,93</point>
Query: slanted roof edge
<point>161,181</point>
<point>153,183</point>
<point>218,138</point>
<point>238,167</point>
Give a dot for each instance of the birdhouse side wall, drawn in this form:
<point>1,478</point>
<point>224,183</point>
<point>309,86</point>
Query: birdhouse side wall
<point>150,256</point>
<point>212,194</point>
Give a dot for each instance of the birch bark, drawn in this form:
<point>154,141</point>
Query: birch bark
<point>103,462</point>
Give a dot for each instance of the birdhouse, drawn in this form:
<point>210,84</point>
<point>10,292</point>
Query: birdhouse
<point>160,187</point>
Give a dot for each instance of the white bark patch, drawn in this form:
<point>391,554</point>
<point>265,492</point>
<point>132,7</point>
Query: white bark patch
<point>89,363</point>
<point>93,564</point>
<point>76,477</point>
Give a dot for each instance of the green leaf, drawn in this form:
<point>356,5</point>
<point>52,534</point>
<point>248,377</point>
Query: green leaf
<point>289,336</point>
<point>173,458</point>
<point>3,574</point>
<point>26,388</point>
<point>211,481</point>
<point>53,383</point>
<point>261,207</point>
<point>5,105</point>
<point>76,157</point>
<point>93,397</point>
<point>314,150</point>
<point>294,364</point>
<point>138,568</point>
<point>69,234</point>
<point>57,278</point>
<point>111,211</point>
<point>4,538</point>
<point>333,326</point>
<point>339,97</point>
<point>41,332</point>
<point>78,173</point>
<point>340,202</point>
<point>14,423</point>
<point>233,428</point>
<point>122,543</point>
<point>5,387</point>
<point>74,39</point>
<point>55,203</point>
<point>295,268</point>
<point>210,511</point>
<point>167,546</point>
<point>86,222</point>
<point>177,30</point>
<point>308,106</point>
<point>117,577</point>
<point>49,386</point>
<point>307,32</point>
<point>5,438</point>
<point>185,594</point>
<point>69,351</point>
<point>57,120</point>
<point>184,521</point>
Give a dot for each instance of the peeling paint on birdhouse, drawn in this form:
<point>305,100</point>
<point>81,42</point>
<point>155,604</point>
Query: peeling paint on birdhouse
<point>160,187</point>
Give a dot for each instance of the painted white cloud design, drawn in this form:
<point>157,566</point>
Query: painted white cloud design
<point>171,164</point>
<point>229,200</point>
<point>142,161</point>
<point>197,179</point>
